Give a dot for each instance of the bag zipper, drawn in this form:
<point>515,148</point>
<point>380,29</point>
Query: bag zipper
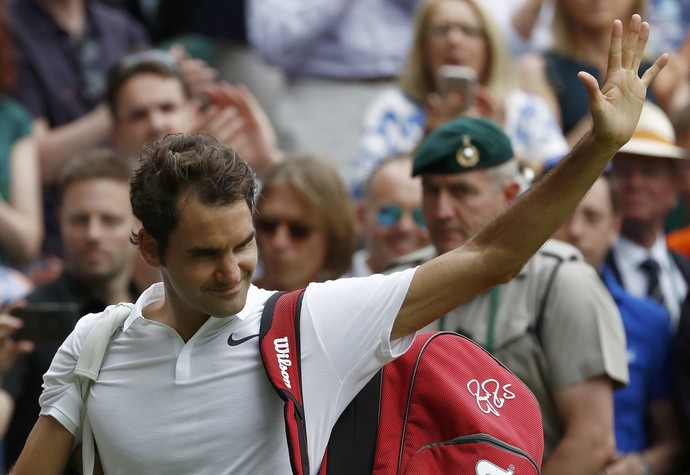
<point>487,439</point>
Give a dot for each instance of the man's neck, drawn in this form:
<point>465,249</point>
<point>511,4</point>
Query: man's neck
<point>69,14</point>
<point>115,290</point>
<point>644,235</point>
<point>592,47</point>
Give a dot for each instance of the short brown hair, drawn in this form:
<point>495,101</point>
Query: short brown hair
<point>151,61</point>
<point>95,163</point>
<point>213,171</point>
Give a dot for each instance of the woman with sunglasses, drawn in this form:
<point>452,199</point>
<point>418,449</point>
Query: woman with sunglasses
<point>305,225</point>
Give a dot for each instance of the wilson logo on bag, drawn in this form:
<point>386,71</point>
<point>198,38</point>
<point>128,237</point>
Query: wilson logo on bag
<point>445,406</point>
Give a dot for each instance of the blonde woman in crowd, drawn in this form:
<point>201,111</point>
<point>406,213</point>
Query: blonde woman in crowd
<point>581,36</point>
<point>456,33</point>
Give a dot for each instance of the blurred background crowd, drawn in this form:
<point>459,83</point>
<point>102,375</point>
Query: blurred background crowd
<point>328,100</point>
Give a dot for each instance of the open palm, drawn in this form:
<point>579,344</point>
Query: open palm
<point>617,106</point>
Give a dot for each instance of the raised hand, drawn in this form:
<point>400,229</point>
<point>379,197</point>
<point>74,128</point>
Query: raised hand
<point>617,106</point>
<point>244,124</point>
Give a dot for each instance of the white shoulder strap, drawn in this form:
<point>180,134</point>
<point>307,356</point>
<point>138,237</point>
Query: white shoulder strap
<point>89,365</point>
<point>98,340</point>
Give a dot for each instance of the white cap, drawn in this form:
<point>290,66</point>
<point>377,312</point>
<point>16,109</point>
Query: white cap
<point>654,136</point>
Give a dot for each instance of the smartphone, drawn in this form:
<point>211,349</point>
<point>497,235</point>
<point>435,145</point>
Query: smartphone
<point>46,322</point>
<point>458,79</point>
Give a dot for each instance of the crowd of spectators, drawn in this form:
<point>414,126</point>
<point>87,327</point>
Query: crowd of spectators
<point>327,101</point>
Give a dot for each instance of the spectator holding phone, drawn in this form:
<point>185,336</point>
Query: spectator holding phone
<point>9,351</point>
<point>96,222</point>
<point>455,32</point>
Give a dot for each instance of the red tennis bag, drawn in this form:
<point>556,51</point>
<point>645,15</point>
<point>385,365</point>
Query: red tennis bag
<point>445,406</point>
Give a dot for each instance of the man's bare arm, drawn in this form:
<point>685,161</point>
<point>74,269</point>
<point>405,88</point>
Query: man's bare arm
<point>498,251</point>
<point>588,442</point>
<point>57,145</point>
<point>47,450</point>
<point>665,455</point>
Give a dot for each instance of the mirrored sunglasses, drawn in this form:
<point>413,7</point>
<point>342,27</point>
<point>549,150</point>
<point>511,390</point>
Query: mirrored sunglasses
<point>389,215</point>
<point>298,231</point>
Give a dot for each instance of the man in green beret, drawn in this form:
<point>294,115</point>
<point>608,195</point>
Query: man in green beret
<point>554,325</point>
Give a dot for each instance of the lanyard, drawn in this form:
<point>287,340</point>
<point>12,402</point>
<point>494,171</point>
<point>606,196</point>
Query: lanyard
<point>494,300</point>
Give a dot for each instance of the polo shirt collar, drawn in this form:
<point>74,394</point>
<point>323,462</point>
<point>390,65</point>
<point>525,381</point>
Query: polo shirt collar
<point>156,293</point>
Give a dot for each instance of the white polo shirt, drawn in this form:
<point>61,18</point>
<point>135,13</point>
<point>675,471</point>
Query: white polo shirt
<point>163,406</point>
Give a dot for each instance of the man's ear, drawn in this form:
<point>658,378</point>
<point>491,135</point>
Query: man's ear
<point>511,190</point>
<point>617,226</point>
<point>148,246</point>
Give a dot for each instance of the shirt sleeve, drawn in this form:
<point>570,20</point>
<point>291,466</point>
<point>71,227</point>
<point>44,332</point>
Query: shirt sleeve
<point>61,397</point>
<point>583,335</point>
<point>353,319</point>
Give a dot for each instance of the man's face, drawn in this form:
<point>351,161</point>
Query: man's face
<point>647,189</point>
<point>292,241</point>
<point>457,205</point>
<point>96,221</point>
<point>391,216</point>
<point>593,227</point>
<point>149,107</point>
<point>210,259</point>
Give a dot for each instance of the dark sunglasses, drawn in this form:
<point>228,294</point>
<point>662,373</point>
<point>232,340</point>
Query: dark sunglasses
<point>297,231</point>
<point>389,215</point>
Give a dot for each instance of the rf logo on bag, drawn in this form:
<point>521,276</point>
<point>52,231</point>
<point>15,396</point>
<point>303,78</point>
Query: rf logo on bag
<point>490,395</point>
<point>484,467</point>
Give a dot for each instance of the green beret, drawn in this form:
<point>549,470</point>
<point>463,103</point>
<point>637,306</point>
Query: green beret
<point>462,145</point>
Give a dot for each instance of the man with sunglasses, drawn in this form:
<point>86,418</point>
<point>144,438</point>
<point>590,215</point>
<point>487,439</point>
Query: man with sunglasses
<point>172,397</point>
<point>390,217</point>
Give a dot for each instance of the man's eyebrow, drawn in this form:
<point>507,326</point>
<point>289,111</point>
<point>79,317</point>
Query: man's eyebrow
<point>248,239</point>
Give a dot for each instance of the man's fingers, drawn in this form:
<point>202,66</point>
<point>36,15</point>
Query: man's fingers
<point>614,63</point>
<point>652,72</point>
<point>640,46</point>
<point>9,325</point>
<point>630,42</point>
<point>592,87</point>
<point>24,346</point>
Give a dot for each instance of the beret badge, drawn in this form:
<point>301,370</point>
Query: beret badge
<point>467,155</point>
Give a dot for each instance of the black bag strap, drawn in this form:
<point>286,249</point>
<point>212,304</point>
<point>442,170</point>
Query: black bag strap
<point>352,446</point>
<point>536,328</point>
<point>279,344</point>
